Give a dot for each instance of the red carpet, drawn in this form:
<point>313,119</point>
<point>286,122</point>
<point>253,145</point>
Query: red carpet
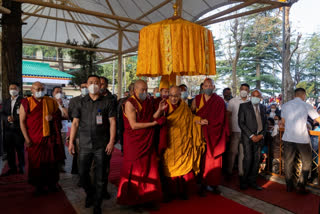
<point>276,194</point>
<point>16,197</point>
<point>210,204</point>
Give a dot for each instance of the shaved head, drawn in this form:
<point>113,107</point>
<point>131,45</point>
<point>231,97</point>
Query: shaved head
<point>140,87</point>
<point>139,83</point>
<point>208,80</point>
<point>174,95</point>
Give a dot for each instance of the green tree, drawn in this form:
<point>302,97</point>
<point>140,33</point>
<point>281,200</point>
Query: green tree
<point>86,59</point>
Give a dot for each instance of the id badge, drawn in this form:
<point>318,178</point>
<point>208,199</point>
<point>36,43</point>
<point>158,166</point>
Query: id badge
<point>99,119</point>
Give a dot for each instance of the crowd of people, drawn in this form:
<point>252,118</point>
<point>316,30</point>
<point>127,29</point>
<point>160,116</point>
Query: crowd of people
<point>168,140</point>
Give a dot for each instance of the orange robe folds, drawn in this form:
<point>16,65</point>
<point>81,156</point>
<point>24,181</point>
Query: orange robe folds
<point>139,178</point>
<point>47,147</point>
<point>215,134</point>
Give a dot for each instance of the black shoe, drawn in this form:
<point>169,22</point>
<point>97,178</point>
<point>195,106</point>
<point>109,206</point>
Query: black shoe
<point>39,191</point>
<point>184,196</point>
<point>89,202</point>
<point>215,190</point>
<point>301,189</point>
<point>256,187</point>
<point>243,186</point>
<point>106,195</point>
<point>9,172</point>
<point>53,188</point>
<point>97,210</point>
<point>289,188</point>
<point>21,170</point>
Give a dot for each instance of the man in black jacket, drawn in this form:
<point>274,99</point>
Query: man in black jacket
<point>253,124</point>
<point>13,135</point>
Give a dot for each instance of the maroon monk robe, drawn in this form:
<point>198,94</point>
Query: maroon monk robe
<point>45,152</point>
<point>215,133</point>
<point>139,178</point>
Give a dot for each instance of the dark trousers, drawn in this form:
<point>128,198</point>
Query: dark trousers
<point>251,159</point>
<point>106,176</point>
<point>86,156</point>
<point>15,143</point>
<point>290,150</point>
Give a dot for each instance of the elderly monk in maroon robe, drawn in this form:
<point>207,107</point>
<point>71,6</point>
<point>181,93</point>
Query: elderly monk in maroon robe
<point>40,122</point>
<point>139,179</point>
<point>211,108</point>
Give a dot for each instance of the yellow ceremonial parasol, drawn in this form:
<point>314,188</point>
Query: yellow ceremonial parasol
<point>175,47</point>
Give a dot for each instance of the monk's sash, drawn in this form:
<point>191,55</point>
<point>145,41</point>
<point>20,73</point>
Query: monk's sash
<point>49,107</point>
<point>185,142</point>
<point>217,130</point>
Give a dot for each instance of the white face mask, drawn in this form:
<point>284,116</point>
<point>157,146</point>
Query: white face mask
<point>13,92</point>
<point>58,96</point>
<point>276,122</point>
<point>39,94</point>
<point>84,91</point>
<point>243,93</point>
<point>93,89</point>
<point>273,110</point>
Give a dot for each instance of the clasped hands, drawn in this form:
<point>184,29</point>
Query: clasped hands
<point>202,122</point>
<point>256,138</point>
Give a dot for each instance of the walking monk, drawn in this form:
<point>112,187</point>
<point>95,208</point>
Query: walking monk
<point>140,181</point>
<point>181,158</point>
<point>40,122</point>
<point>211,107</point>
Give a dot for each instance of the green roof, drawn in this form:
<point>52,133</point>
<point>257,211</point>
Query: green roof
<point>39,69</point>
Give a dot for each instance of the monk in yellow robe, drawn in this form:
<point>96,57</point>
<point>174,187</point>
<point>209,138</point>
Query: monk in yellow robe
<point>181,158</point>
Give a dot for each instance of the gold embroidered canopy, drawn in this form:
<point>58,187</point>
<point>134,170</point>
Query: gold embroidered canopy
<point>175,47</point>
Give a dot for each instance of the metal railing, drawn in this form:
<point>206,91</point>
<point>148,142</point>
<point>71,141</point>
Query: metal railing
<point>298,164</point>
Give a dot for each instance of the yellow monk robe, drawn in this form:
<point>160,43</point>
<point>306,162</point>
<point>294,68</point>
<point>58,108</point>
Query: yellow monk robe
<point>185,144</point>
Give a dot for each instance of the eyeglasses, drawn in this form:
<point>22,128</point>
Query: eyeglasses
<point>174,96</point>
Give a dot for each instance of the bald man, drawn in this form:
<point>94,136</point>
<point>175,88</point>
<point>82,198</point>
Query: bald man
<point>181,158</point>
<point>139,179</point>
<point>212,109</point>
<point>40,122</point>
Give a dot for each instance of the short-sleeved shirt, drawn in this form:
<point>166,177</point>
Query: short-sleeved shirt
<point>295,114</point>
<point>93,135</point>
<point>233,107</point>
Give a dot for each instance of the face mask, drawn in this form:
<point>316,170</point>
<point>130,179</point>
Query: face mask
<point>243,93</point>
<point>228,97</point>
<point>102,90</point>
<point>39,94</point>
<point>93,89</point>
<point>184,95</point>
<point>84,91</point>
<point>255,100</point>
<point>273,110</point>
<point>58,96</point>
<point>13,92</point>
<point>276,122</point>
<point>208,91</point>
<point>158,94</point>
<point>142,96</point>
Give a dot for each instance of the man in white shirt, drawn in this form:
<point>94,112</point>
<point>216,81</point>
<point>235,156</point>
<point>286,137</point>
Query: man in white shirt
<point>296,137</point>
<point>232,111</point>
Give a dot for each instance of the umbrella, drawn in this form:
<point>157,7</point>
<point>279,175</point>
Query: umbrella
<point>175,47</point>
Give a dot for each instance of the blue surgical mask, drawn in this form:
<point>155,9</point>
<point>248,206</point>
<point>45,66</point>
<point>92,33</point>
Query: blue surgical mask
<point>158,94</point>
<point>39,94</point>
<point>142,96</point>
<point>255,100</point>
<point>184,95</point>
<point>208,91</point>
